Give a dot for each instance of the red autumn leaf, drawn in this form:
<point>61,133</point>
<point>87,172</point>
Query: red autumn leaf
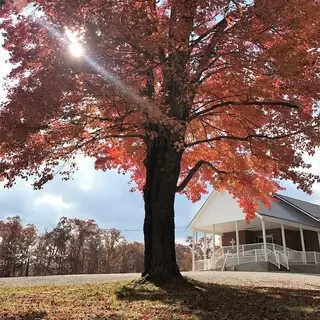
<point>230,105</point>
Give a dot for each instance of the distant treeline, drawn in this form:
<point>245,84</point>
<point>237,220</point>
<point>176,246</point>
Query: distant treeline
<point>73,246</point>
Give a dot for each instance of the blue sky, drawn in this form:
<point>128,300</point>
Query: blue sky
<point>102,196</point>
<point>91,194</point>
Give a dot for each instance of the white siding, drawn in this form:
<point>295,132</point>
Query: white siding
<point>220,207</point>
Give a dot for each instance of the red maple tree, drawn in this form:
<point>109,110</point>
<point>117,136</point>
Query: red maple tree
<point>181,94</point>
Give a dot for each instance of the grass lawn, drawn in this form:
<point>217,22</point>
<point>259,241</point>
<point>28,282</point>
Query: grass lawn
<point>181,300</point>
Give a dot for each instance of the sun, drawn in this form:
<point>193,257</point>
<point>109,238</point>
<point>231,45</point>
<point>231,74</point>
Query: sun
<point>76,49</point>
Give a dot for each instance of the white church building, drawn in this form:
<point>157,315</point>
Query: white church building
<point>287,235</point>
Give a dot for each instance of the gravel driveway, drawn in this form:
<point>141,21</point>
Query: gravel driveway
<point>255,279</point>
<point>259,279</point>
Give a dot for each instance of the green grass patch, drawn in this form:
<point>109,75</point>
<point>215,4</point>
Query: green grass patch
<point>186,299</point>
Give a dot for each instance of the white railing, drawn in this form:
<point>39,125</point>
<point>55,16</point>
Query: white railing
<point>249,247</point>
<point>295,256</point>
<point>275,247</point>
<point>232,258</point>
<point>199,265</point>
<point>283,259</point>
<point>205,264</point>
<point>225,261</point>
<point>317,257</point>
<point>273,258</point>
<point>242,247</point>
<point>277,255</point>
<point>218,254</point>
<point>313,257</point>
<point>209,263</point>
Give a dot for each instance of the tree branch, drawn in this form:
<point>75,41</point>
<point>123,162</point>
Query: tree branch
<point>122,136</point>
<point>247,138</point>
<point>194,170</point>
<point>244,103</point>
<point>207,33</point>
<point>204,59</point>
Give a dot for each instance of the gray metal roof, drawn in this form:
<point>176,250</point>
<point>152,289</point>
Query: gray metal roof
<point>308,207</point>
<point>281,210</point>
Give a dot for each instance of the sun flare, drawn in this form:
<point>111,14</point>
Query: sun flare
<point>76,49</point>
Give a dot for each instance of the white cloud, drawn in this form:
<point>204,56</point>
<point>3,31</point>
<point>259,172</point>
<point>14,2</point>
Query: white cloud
<point>86,181</point>
<point>181,240</point>
<point>48,199</point>
<point>314,161</point>
<point>315,169</point>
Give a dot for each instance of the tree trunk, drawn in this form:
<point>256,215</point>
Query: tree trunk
<point>162,173</point>
<point>14,268</point>
<point>27,267</point>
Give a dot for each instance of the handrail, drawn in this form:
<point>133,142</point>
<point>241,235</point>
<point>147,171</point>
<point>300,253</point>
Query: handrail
<point>218,253</point>
<point>225,261</point>
<point>285,258</point>
<point>197,263</point>
<point>276,263</point>
<point>253,253</point>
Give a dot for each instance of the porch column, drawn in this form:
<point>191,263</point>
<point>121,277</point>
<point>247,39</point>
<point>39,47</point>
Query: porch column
<point>193,251</point>
<point>319,239</point>
<point>264,240</point>
<point>237,240</point>
<point>304,256</point>
<point>283,239</point>
<point>213,232</point>
<point>205,251</point>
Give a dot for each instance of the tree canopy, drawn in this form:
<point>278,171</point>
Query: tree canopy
<point>219,93</point>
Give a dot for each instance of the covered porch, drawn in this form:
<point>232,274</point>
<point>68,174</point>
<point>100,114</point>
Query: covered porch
<point>267,239</point>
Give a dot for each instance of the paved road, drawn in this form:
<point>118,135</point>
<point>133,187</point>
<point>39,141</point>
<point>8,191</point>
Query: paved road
<point>256,279</point>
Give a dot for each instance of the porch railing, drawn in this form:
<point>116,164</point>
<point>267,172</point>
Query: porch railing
<point>254,252</point>
<point>283,259</point>
<point>252,246</point>
<point>273,257</point>
<point>295,256</point>
<point>225,261</point>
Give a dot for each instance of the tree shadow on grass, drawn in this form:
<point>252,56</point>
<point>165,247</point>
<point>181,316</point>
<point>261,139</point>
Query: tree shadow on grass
<point>211,301</point>
<point>25,316</point>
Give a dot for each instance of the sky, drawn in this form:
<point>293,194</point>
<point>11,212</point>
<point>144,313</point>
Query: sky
<point>102,196</point>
